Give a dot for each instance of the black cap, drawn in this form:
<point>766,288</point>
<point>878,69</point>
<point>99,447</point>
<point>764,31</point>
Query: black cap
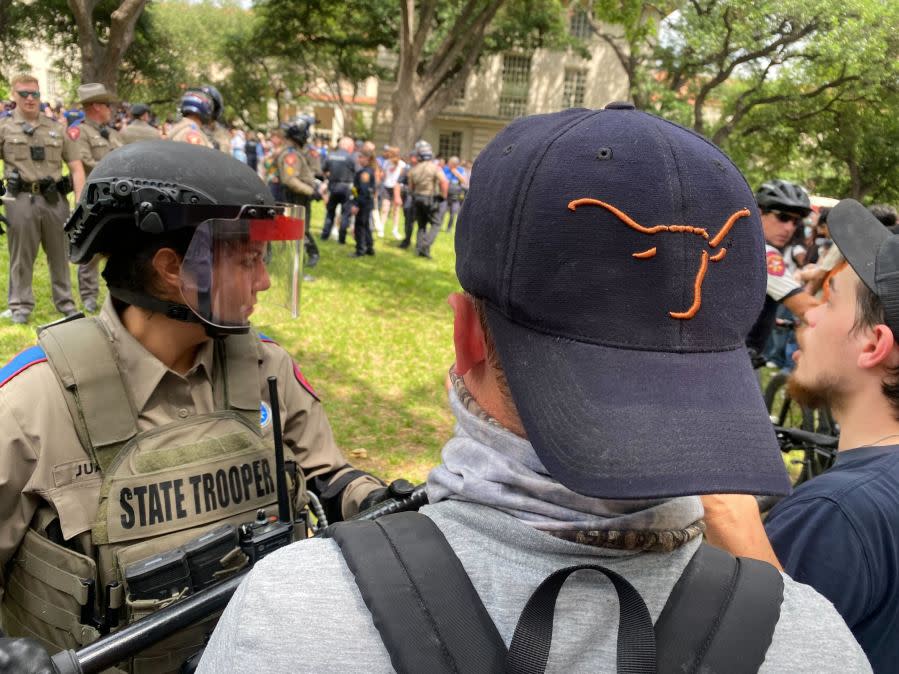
<point>871,250</point>
<point>139,109</point>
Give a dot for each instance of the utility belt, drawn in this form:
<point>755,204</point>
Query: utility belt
<point>425,199</point>
<point>44,186</point>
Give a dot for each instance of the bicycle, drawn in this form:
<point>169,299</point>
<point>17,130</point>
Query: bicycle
<point>816,453</point>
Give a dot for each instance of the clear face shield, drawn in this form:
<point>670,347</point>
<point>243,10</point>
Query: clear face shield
<point>233,266</point>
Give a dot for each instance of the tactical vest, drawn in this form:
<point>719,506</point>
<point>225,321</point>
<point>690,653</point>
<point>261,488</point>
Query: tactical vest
<point>156,491</point>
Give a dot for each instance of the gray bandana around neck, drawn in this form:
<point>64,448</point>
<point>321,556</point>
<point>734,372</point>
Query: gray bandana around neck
<point>486,464</point>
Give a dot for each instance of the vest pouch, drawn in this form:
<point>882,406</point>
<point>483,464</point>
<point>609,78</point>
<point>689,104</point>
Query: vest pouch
<point>49,590</point>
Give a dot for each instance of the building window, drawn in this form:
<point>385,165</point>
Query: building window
<point>450,144</point>
<point>573,89</point>
<point>459,100</point>
<point>579,26</point>
<point>513,99</point>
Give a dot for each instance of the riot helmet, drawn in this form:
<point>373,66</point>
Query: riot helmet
<point>297,129</point>
<point>199,103</point>
<point>235,240</point>
<point>423,150</point>
<point>218,103</point>
<point>783,195</point>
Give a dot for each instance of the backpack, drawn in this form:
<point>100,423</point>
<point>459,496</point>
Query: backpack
<point>720,616</point>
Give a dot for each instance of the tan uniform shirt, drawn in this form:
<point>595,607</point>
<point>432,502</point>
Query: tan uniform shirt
<point>424,179</point>
<point>91,143</point>
<point>294,171</point>
<point>41,458</point>
<point>137,131</point>
<point>220,136</point>
<point>47,134</point>
<point>188,131</point>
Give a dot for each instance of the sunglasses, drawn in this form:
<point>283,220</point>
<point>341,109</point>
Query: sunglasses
<point>787,217</point>
<point>25,94</point>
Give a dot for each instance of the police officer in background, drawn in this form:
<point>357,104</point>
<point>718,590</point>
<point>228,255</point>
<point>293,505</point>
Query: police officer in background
<point>196,108</point>
<point>216,129</point>
<point>429,187</point>
<point>140,128</point>
<point>95,139</point>
<point>162,431</point>
<point>296,175</point>
<point>33,149</point>
<point>364,190</point>
<point>339,169</point>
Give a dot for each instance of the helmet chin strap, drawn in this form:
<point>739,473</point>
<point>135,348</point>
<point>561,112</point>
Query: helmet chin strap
<point>175,311</point>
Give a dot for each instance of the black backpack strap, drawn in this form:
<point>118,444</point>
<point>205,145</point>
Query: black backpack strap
<point>720,616</point>
<point>428,613</point>
<point>529,650</point>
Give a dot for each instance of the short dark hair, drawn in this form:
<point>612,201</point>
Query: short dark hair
<point>129,266</point>
<point>868,313</point>
<point>492,353</point>
<point>885,213</point>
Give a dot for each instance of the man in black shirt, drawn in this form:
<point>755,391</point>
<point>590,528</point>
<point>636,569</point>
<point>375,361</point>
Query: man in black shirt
<point>339,169</point>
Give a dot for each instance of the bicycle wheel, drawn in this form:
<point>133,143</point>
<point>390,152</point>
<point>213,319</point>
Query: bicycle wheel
<point>785,411</point>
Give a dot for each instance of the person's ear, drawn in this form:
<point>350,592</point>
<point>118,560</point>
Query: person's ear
<point>878,349</point>
<point>166,265</point>
<point>468,336</point>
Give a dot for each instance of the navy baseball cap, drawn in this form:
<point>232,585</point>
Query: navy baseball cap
<point>871,250</point>
<point>622,263</point>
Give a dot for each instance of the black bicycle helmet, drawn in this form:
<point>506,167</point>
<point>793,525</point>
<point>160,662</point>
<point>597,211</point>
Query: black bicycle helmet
<point>157,187</point>
<point>783,195</point>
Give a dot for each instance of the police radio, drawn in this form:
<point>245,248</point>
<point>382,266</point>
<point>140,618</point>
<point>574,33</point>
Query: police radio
<point>268,533</point>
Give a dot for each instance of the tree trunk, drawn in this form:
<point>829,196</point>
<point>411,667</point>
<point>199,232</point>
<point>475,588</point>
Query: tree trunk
<point>101,62</point>
<point>409,119</point>
<point>426,84</point>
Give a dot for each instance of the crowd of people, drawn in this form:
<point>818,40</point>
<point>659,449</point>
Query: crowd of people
<point>595,507</point>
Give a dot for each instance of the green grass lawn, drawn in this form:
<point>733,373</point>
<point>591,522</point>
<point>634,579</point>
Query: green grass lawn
<point>374,338</point>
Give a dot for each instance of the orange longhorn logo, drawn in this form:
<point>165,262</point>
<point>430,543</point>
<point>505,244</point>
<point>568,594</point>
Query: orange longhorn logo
<point>705,258</point>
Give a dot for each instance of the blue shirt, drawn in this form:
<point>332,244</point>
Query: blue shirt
<point>839,533</point>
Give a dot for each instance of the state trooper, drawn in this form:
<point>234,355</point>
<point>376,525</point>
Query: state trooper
<point>196,108</point>
<point>296,175</point>
<point>139,128</point>
<point>129,434</point>
<point>216,129</point>
<point>95,139</point>
<point>33,150</point>
<point>428,186</point>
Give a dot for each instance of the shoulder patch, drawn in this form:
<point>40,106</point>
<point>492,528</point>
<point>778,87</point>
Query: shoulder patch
<point>290,158</point>
<point>194,138</point>
<point>775,263</point>
<point>364,177</point>
<point>74,132</point>
<point>30,356</point>
<point>305,384</point>
<point>301,380</point>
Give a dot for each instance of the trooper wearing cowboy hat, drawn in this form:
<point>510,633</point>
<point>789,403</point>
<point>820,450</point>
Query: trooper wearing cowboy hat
<point>95,139</point>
